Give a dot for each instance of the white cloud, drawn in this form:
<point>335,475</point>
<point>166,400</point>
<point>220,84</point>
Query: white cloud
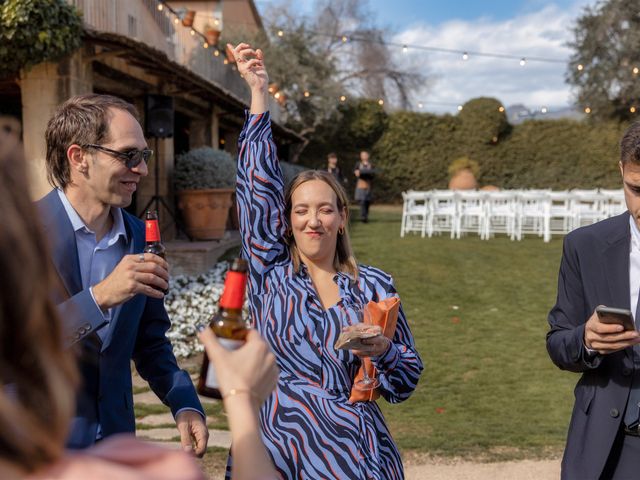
<point>542,33</point>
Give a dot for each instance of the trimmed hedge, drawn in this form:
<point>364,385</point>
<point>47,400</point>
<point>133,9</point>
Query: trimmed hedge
<point>416,149</point>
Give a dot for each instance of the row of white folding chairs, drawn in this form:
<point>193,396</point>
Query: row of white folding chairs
<point>513,212</point>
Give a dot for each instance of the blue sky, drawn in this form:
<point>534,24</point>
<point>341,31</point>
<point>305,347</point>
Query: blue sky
<point>518,27</point>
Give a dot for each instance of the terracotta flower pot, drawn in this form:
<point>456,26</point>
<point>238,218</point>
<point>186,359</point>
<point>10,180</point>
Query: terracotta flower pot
<point>212,36</point>
<point>205,212</point>
<point>188,18</point>
<point>463,180</point>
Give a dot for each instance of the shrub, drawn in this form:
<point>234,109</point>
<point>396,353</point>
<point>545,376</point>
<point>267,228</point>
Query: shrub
<point>35,31</point>
<point>204,168</point>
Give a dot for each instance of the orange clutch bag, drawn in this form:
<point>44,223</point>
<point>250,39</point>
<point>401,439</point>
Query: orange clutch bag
<point>384,314</point>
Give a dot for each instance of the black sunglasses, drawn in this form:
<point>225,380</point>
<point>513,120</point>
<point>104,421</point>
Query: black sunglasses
<point>131,159</point>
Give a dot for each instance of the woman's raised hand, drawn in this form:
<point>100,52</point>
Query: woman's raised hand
<point>251,66</point>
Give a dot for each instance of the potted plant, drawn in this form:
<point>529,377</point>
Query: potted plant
<point>204,181</point>
<point>463,173</point>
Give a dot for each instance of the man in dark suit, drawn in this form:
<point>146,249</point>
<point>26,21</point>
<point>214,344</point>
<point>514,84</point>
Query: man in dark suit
<point>601,266</point>
<point>111,300</point>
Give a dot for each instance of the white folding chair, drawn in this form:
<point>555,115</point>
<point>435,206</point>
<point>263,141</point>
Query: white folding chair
<point>561,213</point>
<point>443,212</point>
<point>614,203</point>
<point>415,212</point>
<point>533,215</point>
<point>587,208</point>
<point>501,213</point>
<point>471,213</point>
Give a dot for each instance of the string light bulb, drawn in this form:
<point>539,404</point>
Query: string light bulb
<point>205,45</point>
<point>345,39</point>
<point>216,22</point>
<point>176,20</point>
<point>523,62</point>
<point>405,49</point>
<point>280,33</point>
<point>381,102</point>
<point>306,94</point>
<point>216,53</point>
<point>459,108</point>
<point>587,110</point>
<point>635,70</point>
<point>160,7</point>
<point>192,32</point>
<point>580,67</point>
<point>501,109</point>
<point>420,105</point>
<point>543,110</point>
<point>632,109</point>
<point>226,62</point>
<point>343,98</point>
<point>465,56</point>
<point>276,95</point>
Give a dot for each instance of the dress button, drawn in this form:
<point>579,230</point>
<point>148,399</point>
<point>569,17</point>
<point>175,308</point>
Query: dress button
<point>614,412</point>
<point>626,372</point>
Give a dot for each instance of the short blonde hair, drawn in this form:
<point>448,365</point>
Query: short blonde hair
<point>344,259</point>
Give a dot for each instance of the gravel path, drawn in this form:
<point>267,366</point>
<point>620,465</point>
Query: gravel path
<point>520,470</point>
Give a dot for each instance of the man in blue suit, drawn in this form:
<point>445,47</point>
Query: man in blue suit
<point>111,296</point>
<point>601,266</point>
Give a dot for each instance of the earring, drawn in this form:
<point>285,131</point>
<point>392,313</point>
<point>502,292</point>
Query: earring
<point>341,231</point>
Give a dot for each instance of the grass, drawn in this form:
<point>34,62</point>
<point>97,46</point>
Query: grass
<point>488,389</point>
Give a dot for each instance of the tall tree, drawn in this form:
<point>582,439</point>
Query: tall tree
<point>605,65</point>
<point>323,60</point>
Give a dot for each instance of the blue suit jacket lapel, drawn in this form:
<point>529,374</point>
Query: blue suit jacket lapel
<point>62,240</point>
<point>133,308</point>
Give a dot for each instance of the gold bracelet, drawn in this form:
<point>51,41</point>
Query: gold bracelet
<point>240,391</point>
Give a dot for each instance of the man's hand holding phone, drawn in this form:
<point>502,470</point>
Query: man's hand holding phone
<point>610,330</point>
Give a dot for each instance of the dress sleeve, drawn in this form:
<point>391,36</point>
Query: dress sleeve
<point>400,366</point>
<point>260,199</point>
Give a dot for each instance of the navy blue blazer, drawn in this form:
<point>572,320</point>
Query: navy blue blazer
<point>594,271</point>
<point>138,333</point>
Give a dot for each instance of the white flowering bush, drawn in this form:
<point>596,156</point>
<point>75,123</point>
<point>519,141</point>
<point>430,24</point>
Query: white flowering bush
<point>192,300</point>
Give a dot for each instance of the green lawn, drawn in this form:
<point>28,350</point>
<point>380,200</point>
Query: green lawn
<point>488,389</point>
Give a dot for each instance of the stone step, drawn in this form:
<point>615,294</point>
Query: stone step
<point>217,438</point>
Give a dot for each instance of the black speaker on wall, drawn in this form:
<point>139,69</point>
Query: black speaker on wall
<point>158,116</point>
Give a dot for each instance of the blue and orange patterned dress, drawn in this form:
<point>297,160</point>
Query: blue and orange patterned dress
<point>309,427</point>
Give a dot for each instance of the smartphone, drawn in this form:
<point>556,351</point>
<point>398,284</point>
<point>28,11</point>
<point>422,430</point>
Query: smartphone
<point>621,316</point>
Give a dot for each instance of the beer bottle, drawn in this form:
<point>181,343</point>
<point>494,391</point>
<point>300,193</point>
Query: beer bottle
<point>227,324</point>
<point>152,235</point>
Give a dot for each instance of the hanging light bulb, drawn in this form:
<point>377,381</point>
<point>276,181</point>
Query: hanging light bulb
<point>280,33</point>
<point>587,110</point>
<point>216,22</point>
<point>306,94</point>
<point>345,39</point>
<point>160,7</point>
<point>405,49</point>
<point>580,67</point>
<point>632,109</point>
<point>205,45</point>
<point>523,62</point>
<point>420,105</point>
<point>635,70</point>
<point>501,109</point>
<point>176,20</point>
<point>543,110</point>
<point>459,108</point>
<point>216,53</point>
<point>276,95</point>
<point>465,56</point>
<point>343,98</point>
<point>381,102</point>
<point>226,62</point>
<point>192,32</point>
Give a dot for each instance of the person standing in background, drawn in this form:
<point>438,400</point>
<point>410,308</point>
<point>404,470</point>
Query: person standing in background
<point>365,173</point>
<point>334,169</point>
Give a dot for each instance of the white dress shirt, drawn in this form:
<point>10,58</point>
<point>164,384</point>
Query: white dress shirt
<point>634,266</point>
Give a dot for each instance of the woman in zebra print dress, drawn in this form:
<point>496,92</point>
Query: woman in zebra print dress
<point>302,277</point>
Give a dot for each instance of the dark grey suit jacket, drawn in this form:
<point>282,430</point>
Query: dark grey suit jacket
<point>594,271</point>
